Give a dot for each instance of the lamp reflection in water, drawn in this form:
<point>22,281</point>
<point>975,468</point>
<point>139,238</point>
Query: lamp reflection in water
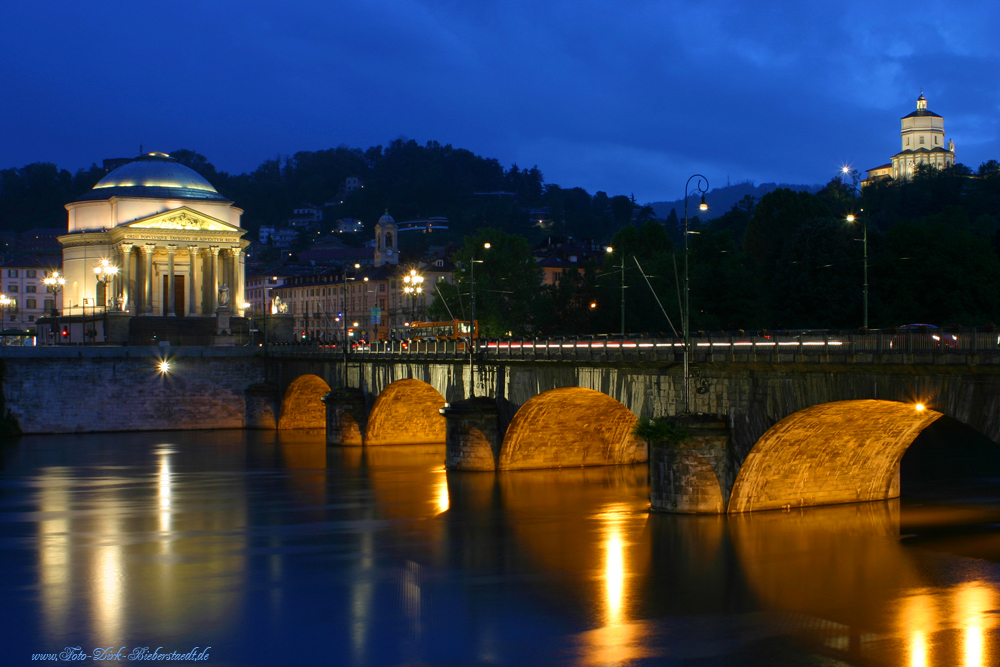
<point>925,613</point>
<point>975,602</point>
<point>441,499</point>
<point>53,551</point>
<point>619,641</point>
<point>917,621</point>
<point>163,488</point>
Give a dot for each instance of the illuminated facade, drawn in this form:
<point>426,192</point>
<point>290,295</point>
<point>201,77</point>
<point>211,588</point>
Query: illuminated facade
<point>922,142</point>
<point>175,241</point>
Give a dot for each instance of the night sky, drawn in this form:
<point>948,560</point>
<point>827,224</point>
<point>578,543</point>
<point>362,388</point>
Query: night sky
<point>625,97</point>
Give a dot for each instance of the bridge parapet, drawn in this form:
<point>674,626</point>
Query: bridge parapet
<point>966,347</point>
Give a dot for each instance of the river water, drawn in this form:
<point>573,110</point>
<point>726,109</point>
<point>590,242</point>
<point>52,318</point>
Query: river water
<point>276,550</point>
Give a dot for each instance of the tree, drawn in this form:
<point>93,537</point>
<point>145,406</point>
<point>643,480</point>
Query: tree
<point>507,286</point>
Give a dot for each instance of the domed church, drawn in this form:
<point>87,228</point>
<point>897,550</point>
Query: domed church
<point>175,241</point>
<point>922,142</point>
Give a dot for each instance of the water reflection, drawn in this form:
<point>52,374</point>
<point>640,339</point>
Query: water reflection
<point>259,542</point>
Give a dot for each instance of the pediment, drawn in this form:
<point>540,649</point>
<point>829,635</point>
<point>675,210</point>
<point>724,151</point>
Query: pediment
<point>184,219</point>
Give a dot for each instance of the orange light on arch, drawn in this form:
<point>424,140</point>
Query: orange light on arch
<point>841,452</point>
<point>571,426</point>
<point>302,406</point>
<point>407,412</point>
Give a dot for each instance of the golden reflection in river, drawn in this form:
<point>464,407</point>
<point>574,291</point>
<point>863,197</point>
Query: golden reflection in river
<point>620,641</point>
<point>53,550</point>
<point>165,493</point>
<point>441,499</point>
<point>917,622</point>
<point>974,603</point>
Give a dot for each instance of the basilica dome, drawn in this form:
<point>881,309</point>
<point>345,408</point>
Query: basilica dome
<point>154,176</point>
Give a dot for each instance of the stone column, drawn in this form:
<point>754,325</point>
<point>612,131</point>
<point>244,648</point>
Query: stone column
<point>193,288</point>
<point>213,296</point>
<point>147,256</point>
<point>171,294</point>
<point>126,276</point>
<point>237,284</point>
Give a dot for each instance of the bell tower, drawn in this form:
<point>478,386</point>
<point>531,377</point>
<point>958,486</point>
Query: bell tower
<point>386,241</point>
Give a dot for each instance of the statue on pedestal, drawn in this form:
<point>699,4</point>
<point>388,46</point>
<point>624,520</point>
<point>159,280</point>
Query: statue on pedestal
<point>223,296</point>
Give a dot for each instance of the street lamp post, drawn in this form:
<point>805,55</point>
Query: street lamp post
<point>473,325</point>
<point>413,285</point>
<point>105,272</point>
<point>687,285</point>
<point>343,314</point>
<point>54,285</point>
<point>5,302</point>
<point>245,306</point>
<point>864,241</point>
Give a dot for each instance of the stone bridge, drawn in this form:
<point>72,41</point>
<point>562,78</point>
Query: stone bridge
<point>773,433</point>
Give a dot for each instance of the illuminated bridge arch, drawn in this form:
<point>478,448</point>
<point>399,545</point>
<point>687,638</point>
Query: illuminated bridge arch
<point>302,406</point>
<point>407,412</point>
<point>571,426</point>
<point>841,452</point>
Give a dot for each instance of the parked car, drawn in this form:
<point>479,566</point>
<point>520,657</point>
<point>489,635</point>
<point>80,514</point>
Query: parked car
<point>922,337</point>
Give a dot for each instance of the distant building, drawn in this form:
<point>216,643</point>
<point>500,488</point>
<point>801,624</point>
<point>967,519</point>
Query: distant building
<point>278,237</point>
<point>558,255</point>
<point>922,142</point>
<point>352,183</point>
<point>259,288</point>
<point>305,215</point>
<point>368,291</point>
<point>22,281</point>
<point>41,241</point>
<point>348,225</point>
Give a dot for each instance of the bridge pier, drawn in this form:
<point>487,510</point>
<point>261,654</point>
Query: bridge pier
<point>685,476</point>
<point>262,406</point>
<point>346,417</point>
<point>473,434</point>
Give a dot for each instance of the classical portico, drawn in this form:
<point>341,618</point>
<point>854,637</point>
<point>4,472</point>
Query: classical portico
<point>174,240</point>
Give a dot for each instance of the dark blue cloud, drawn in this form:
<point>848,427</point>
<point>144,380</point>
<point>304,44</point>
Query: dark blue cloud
<point>620,96</point>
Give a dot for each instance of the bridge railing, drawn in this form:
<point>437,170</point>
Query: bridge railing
<point>811,345</point>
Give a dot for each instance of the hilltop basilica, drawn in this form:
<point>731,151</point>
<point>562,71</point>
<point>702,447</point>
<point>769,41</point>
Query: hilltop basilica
<point>922,141</point>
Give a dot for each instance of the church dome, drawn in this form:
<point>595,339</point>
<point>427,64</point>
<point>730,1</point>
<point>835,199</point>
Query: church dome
<point>154,176</point>
<point>386,219</point>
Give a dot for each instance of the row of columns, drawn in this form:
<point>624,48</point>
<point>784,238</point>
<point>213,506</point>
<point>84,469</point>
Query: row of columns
<point>223,268</point>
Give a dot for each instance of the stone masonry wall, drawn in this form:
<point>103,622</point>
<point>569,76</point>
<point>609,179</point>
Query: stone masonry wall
<point>81,390</point>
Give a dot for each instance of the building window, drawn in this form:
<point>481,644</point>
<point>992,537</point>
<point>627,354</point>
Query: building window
<point>30,289</point>
<point>30,303</point>
<point>12,288</point>
<point>31,318</point>
<point>921,138</point>
<point>12,273</point>
<point>30,273</point>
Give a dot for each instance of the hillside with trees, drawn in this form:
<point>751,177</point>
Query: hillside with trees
<point>788,259</point>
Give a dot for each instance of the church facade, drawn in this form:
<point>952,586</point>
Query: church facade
<point>175,242</point>
<point>922,142</point>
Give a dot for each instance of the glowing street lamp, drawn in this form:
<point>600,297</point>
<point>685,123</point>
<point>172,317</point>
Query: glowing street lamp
<point>105,273</point>
<point>413,285</point>
<point>54,284</point>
